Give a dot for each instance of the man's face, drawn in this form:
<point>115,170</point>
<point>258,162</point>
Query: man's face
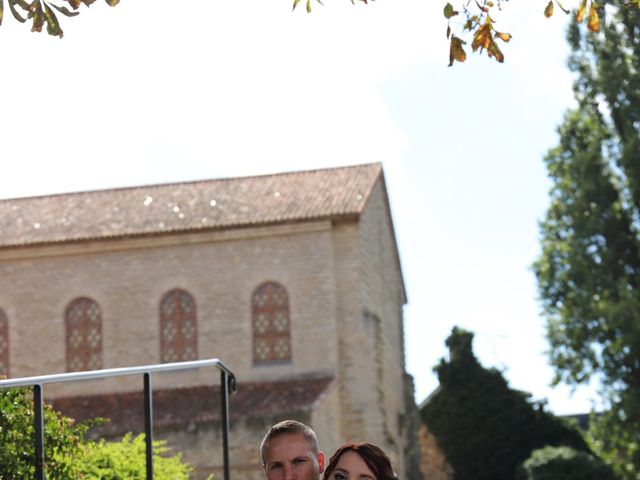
<point>290,457</point>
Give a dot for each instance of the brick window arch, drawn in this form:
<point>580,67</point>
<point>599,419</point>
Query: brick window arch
<point>271,326</point>
<point>4,344</point>
<point>178,327</point>
<point>83,331</point>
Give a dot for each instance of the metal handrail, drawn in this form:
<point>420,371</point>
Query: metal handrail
<point>227,386</point>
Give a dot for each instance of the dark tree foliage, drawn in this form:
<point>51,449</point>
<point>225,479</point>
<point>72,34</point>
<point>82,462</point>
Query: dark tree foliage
<point>486,429</point>
<point>564,463</point>
<point>589,270</point>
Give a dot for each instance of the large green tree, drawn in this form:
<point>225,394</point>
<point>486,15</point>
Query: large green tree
<point>589,269</point>
<point>485,428</point>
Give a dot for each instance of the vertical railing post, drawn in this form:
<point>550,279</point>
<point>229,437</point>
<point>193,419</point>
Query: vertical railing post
<point>38,431</point>
<point>148,424</point>
<point>224,390</point>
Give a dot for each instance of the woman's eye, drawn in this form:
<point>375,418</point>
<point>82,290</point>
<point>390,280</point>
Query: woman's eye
<point>339,476</point>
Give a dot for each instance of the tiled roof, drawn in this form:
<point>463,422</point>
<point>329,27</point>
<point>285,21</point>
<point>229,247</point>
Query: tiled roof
<point>191,206</point>
<point>174,408</point>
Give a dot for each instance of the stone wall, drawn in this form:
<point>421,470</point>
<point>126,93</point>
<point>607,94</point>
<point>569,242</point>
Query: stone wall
<point>433,463</point>
<point>127,280</point>
<point>370,325</point>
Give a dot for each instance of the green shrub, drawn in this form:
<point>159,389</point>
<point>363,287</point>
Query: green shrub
<point>564,463</point>
<point>68,454</point>
<point>125,460</point>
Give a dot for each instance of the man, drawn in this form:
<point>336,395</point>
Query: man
<point>290,451</point>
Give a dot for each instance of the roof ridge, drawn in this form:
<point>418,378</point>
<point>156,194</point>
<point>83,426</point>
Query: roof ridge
<point>190,182</point>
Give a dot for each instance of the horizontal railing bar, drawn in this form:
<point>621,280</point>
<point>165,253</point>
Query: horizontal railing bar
<point>115,372</point>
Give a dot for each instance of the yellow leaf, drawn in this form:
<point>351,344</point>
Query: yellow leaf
<point>295,4</point>
<point>456,52</point>
<point>482,7</point>
<point>548,11</point>
<point>482,38</point>
<point>505,37</point>
<point>494,51</point>
<point>581,11</point>
<point>308,6</point>
<point>593,22</point>
<point>448,29</point>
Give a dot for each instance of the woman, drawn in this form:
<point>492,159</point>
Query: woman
<point>359,461</point>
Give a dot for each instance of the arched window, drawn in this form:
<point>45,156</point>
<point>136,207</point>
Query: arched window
<point>4,344</point>
<point>178,327</point>
<point>270,316</point>
<point>83,327</point>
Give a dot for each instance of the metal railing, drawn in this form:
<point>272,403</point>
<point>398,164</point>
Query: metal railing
<point>227,386</point>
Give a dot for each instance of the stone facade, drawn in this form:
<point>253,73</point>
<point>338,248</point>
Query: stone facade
<point>433,463</point>
<point>339,267</point>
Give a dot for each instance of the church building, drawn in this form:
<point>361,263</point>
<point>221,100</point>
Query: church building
<point>292,280</point>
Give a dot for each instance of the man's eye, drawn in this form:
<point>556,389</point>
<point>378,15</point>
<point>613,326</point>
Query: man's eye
<point>298,461</point>
<point>276,466</point>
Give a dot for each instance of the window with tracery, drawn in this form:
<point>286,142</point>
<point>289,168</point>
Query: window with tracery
<point>178,327</point>
<point>83,327</point>
<point>270,317</point>
<point>4,344</point>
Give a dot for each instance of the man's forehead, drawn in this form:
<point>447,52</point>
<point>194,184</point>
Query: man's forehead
<point>288,446</point>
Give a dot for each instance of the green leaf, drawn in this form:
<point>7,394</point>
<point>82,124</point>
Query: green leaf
<point>1,10</point>
<point>308,6</point>
<point>449,11</point>
<point>65,11</point>
<point>15,13</point>
<point>295,4</point>
<point>53,25</point>
<point>112,3</point>
<point>38,16</point>
<point>562,8</point>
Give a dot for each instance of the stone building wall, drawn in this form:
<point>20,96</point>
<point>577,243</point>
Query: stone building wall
<point>220,270</point>
<point>433,463</point>
<point>370,320</point>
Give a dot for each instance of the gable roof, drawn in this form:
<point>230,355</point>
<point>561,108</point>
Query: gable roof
<point>175,408</point>
<point>334,193</point>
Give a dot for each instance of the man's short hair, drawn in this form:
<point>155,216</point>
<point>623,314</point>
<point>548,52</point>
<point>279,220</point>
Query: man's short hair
<point>287,427</point>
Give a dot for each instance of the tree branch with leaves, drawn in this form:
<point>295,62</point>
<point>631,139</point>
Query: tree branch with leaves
<point>41,12</point>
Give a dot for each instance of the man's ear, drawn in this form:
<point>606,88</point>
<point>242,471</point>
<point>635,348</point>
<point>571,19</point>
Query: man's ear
<point>321,461</point>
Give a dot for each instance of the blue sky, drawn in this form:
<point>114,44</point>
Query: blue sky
<point>150,92</point>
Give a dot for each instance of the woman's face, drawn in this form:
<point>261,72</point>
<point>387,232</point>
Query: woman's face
<point>350,466</point>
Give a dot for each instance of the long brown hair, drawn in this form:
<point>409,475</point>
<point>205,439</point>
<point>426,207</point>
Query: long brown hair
<point>375,458</point>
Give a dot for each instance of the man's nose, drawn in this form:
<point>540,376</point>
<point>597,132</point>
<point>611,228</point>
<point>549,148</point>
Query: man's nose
<point>289,472</point>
